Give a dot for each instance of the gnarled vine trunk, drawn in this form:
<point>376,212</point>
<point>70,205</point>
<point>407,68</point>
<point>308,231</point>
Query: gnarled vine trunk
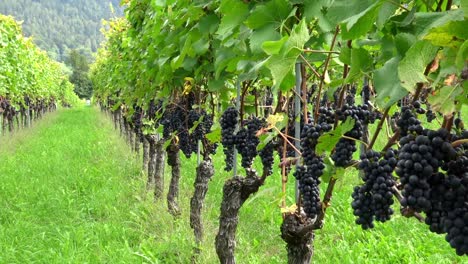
<point>299,237</point>
<point>159,170</point>
<point>137,144</point>
<point>235,192</point>
<point>204,173</point>
<point>151,139</point>
<point>145,155</point>
<point>173,160</point>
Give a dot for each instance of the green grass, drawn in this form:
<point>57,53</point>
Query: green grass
<point>71,192</point>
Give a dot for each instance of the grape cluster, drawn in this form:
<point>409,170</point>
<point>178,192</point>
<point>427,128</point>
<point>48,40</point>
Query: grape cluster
<point>174,120</point>
<point>181,121</point>
<point>326,115</point>
<point>266,155</point>
<point>229,120</point>
<point>247,140</point>
<point>374,198</point>
<point>366,94</point>
<point>171,120</point>
<point>408,122</point>
<point>153,108</point>
<point>312,168</point>
<point>346,147</point>
<point>350,95</point>
<point>419,157</point>
<point>137,121</point>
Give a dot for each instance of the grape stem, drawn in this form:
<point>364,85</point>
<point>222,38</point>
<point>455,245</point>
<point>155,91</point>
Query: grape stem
<point>322,78</point>
<point>320,51</point>
<point>284,177</point>
<point>407,212</point>
<point>310,67</point>
<point>459,142</point>
<point>379,128</point>
<point>357,140</point>
<point>285,138</point>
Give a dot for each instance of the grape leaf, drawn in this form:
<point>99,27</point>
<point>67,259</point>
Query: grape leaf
<point>259,36</point>
<point>442,100</point>
<point>359,24</point>
<point>327,141</point>
<point>215,135</point>
<point>273,13</point>
<point>234,14</point>
<point>282,64</point>
<point>361,61</point>
<point>411,67</point>
<point>424,22</point>
<point>387,84</point>
<point>448,35</point>
<point>462,55</point>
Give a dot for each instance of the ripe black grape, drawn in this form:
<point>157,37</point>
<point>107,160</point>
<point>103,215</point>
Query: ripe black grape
<point>229,120</point>
<point>266,155</point>
<point>247,140</point>
<point>374,198</point>
<point>312,168</point>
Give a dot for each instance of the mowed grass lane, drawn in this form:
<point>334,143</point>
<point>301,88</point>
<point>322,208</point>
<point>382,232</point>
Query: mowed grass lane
<point>68,193</point>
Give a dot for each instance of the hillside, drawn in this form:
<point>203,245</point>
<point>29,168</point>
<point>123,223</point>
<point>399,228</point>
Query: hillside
<point>60,25</point>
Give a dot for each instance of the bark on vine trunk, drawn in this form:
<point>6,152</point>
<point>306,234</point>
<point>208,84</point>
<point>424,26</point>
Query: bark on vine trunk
<point>131,138</point>
<point>145,155</point>
<point>137,144</point>
<point>159,170</point>
<point>299,238</point>
<point>235,192</point>
<point>151,160</point>
<point>204,173</point>
<point>173,160</point>
<point>115,118</point>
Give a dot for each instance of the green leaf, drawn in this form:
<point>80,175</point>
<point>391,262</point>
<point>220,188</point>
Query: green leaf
<point>345,55</point>
<point>234,13</point>
<point>259,36</point>
<point>448,35</point>
<point>273,13</point>
<point>340,10</point>
<point>462,56</point>
<point>330,169</point>
<point>359,24</point>
<point>387,84</point>
<point>216,85</point>
<point>208,24</point>
<point>403,43</point>
<point>387,10</point>
<point>327,141</point>
<point>411,68</point>
<point>274,47</point>
<point>464,7</point>
<point>299,37</point>
<point>443,99</point>
<point>265,139</point>
<point>282,64</point>
<point>313,8</point>
<point>424,22</point>
<point>361,61</point>
<point>215,135</point>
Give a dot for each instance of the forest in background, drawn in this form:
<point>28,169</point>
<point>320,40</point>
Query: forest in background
<point>58,26</point>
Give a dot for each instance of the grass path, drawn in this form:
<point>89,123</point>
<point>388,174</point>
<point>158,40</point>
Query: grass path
<point>67,194</point>
<point>70,192</point>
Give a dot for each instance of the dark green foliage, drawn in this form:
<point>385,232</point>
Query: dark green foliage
<point>80,79</point>
<point>60,25</point>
